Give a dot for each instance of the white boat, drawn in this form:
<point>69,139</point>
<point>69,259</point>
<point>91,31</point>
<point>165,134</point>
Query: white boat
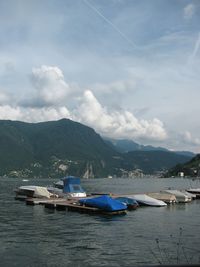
<point>57,188</point>
<point>166,197</point>
<point>180,196</point>
<point>143,199</point>
<point>192,196</point>
<point>195,191</point>
<point>32,191</point>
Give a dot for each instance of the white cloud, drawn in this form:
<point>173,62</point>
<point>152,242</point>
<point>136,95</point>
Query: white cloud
<point>50,86</point>
<point>45,114</point>
<point>117,124</point>
<point>188,138</point>
<point>94,55</point>
<point>8,112</point>
<point>189,11</point>
<point>50,104</point>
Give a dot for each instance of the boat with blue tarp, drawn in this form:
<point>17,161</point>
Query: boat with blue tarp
<point>70,186</point>
<point>104,202</point>
<point>131,204</point>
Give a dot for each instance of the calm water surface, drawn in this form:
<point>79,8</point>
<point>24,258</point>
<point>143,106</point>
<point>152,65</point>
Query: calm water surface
<point>35,236</point>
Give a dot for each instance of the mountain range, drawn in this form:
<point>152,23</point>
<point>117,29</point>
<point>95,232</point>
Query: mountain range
<point>58,148</point>
<point>124,145</point>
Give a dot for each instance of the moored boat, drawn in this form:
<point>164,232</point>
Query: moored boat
<point>68,186</point>
<point>104,202</point>
<point>146,200</point>
<point>195,191</point>
<point>32,191</point>
<point>167,198</point>
<point>192,196</point>
<point>180,196</point>
<point>131,204</point>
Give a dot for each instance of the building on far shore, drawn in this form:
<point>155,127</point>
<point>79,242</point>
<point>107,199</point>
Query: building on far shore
<point>181,174</point>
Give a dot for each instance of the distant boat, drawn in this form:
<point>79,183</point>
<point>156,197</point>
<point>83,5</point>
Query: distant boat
<point>145,200</point>
<point>180,196</point>
<point>104,202</point>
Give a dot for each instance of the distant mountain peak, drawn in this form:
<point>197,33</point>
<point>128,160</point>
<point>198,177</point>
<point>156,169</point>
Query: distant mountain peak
<point>126,145</point>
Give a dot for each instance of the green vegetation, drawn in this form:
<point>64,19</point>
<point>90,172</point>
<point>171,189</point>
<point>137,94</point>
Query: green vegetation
<point>152,161</point>
<point>53,149</point>
<point>58,148</point>
<point>190,168</point>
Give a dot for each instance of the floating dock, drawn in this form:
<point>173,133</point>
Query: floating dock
<point>70,205</point>
<point>84,209</point>
<point>42,201</point>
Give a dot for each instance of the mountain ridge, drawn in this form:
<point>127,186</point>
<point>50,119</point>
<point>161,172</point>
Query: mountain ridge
<point>59,148</point>
<point>126,145</point>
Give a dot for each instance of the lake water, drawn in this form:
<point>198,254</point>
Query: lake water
<point>35,236</point>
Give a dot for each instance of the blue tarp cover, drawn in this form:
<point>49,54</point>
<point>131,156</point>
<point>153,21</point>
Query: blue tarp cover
<point>104,202</point>
<point>72,185</point>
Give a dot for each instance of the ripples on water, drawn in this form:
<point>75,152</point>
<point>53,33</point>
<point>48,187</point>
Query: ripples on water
<point>34,236</point>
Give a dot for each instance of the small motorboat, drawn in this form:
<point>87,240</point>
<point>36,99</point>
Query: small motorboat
<point>24,192</point>
<point>166,197</point>
<point>195,191</point>
<point>105,203</point>
<point>192,196</point>
<point>145,200</point>
<point>68,186</point>
<point>131,203</point>
<point>180,196</point>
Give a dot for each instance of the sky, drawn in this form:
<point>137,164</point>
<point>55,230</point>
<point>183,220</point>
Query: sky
<point>130,69</point>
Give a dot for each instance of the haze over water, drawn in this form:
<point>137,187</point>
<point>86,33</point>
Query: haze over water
<point>35,236</point>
